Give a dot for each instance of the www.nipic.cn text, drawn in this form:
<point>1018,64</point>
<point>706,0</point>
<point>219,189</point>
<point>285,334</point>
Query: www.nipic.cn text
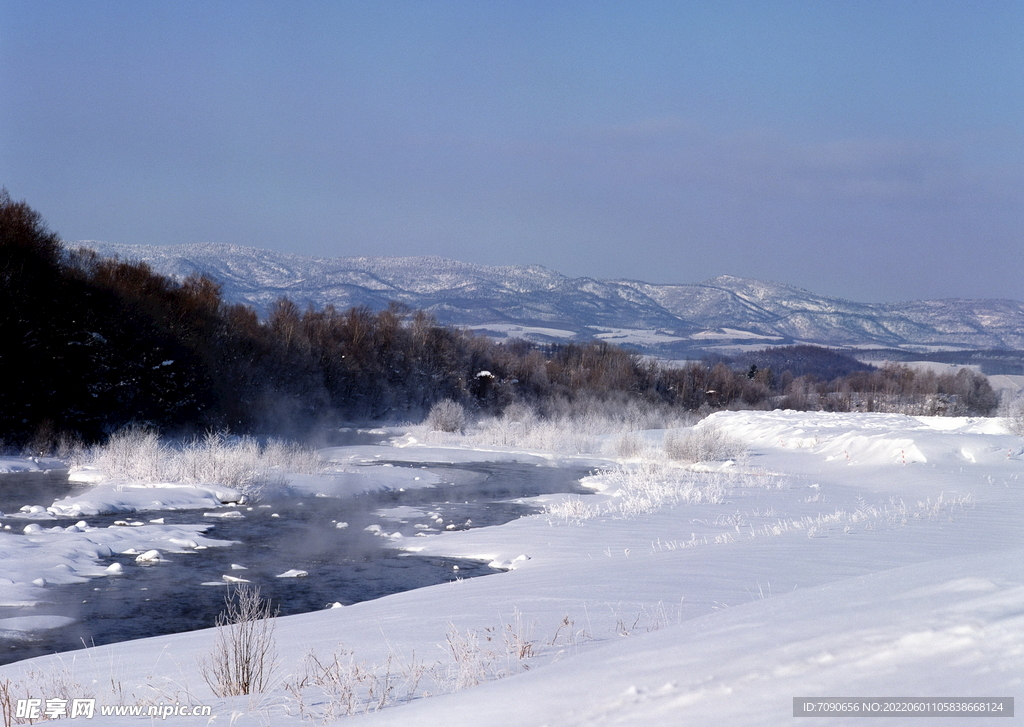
<point>86,709</point>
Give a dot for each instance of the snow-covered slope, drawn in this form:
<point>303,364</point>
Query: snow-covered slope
<point>723,311</point>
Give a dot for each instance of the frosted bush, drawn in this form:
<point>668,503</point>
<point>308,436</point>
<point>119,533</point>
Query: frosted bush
<point>637,416</point>
<point>293,457</point>
<point>1012,410</point>
<point>244,653</point>
<point>327,687</point>
<point>575,436</point>
<point>705,443</point>
<point>643,488</point>
<point>139,455</point>
<point>572,510</point>
<point>447,416</point>
<point>585,428</point>
<point>650,486</point>
<point>70,449</point>
<point>133,454</point>
<point>607,428</point>
<point>629,446</point>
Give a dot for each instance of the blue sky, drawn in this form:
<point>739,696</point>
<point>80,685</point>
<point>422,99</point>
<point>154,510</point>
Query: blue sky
<point>869,150</point>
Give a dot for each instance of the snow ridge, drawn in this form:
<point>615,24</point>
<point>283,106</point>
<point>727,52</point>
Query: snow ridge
<point>674,318</point>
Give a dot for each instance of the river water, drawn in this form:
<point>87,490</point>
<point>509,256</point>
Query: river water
<point>345,565</point>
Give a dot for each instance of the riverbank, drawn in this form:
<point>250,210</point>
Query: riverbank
<point>844,555</point>
<point>116,562</point>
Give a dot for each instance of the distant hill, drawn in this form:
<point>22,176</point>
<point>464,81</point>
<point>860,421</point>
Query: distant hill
<point>724,313</point>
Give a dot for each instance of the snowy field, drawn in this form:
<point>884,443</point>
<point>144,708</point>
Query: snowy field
<point>835,555</point>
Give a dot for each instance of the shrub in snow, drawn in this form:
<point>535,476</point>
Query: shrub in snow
<point>642,488</point>
<point>328,687</point>
<point>1013,411</point>
<point>139,455</point>
<point>572,510</point>
<point>134,454</point>
<point>704,443</point>
<point>473,661</point>
<point>649,486</point>
<point>629,446</point>
<point>447,416</point>
<point>521,413</point>
<point>581,427</point>
<point>244,654</point>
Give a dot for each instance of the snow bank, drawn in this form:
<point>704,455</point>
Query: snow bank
<point>126,497</point>
<point>28,464</point>
<point>20,628</point>
<point>870,439</point>
<point>955,629</point>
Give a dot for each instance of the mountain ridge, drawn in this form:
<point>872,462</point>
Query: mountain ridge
<point>722,313</point>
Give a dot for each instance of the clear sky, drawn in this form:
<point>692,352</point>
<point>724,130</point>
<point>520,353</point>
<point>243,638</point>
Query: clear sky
<point>869,150</point>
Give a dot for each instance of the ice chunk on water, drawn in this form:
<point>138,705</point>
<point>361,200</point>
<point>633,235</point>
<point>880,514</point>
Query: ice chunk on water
<point>184,543</point>
<point>293,573</point>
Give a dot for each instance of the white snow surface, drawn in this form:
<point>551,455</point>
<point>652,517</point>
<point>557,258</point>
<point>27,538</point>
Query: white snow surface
<point>131,497</point>
<point>731,334</point>
<point>844,555</point>
<point>635,336</point>
<point>512,330</point>
<point>28,464</point>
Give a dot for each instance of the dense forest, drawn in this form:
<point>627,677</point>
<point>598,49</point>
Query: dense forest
<point>89,345</point>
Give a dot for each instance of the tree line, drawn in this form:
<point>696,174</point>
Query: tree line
<point>89,345</point>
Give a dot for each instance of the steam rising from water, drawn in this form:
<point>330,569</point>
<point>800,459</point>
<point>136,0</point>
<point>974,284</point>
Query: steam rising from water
<point>347,564</point>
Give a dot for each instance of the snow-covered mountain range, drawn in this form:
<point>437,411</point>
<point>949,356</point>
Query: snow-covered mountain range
<point>723,313</point>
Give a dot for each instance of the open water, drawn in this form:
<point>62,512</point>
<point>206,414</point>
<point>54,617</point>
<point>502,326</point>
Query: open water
<point>344,565</point>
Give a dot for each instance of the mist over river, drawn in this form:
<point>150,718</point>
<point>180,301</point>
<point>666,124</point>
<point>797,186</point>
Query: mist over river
<point>336,541</point>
